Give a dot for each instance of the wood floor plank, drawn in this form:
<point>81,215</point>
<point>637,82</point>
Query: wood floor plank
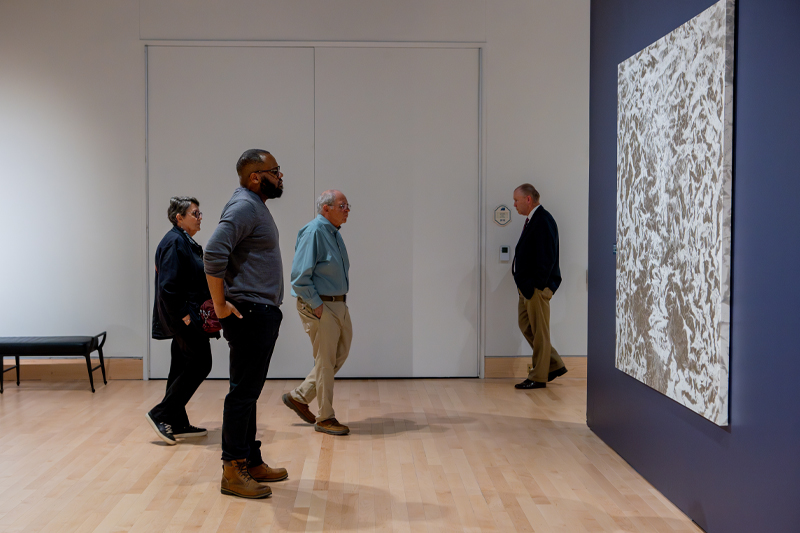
<point>423,455</point>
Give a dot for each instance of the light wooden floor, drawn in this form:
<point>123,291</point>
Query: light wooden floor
<point>423,455</point>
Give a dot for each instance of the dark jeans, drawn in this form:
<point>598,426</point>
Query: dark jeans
<point>189,366</point>
<point>251,340</point>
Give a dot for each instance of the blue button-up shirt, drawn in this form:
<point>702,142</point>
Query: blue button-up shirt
<point>320,264</point>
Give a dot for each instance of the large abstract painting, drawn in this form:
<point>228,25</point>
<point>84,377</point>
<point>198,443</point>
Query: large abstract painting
<point>674,181</point>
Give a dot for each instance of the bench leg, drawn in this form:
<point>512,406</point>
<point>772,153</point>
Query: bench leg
<point>89,367</point>
<point>3,371</point>
<point>102,365</point>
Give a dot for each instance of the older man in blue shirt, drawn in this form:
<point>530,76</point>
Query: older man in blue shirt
<point>320,283</point>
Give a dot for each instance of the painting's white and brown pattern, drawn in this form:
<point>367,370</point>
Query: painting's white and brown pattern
<point>674,130</point>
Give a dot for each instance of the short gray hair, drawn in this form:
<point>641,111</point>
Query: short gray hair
<point>326,198</point>
<point>529,190</point>
<point>178,205</point>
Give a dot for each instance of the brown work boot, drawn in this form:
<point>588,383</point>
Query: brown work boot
<point>331,426</point>
<point>237,481</point>
<point>264,474</point>
<point>301,409</point>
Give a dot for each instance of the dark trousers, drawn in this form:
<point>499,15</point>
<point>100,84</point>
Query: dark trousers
<point>189,366</point>
<point>251,340</point>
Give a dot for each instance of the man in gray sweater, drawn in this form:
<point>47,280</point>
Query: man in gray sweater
<point>245,276</point>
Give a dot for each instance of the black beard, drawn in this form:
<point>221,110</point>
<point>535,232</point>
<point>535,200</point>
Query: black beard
<point>269,190</point>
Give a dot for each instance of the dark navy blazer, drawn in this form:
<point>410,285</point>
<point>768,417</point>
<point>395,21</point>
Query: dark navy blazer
<point>536,255</point>
<point>181,286</point>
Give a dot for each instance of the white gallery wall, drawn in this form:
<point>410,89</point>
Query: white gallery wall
<point>73,199</point>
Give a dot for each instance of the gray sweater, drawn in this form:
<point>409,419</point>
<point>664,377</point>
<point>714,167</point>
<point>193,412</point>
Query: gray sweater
<point>244,251</point>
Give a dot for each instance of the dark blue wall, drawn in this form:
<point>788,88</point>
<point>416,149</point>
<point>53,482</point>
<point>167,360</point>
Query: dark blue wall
<point>744,478</point>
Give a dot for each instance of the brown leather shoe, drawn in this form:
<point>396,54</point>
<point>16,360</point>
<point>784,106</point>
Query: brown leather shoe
<point>264,474</point>
<point>331,426</point>
<point>301,409</point>
<point>237,481</point>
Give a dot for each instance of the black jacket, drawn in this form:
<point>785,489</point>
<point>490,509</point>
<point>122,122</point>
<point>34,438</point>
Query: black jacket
<point>181,286</point>
<point>536,255</point>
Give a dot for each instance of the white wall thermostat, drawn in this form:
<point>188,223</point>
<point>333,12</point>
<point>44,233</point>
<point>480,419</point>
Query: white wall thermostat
<point>502,215</point>
<point>505,254</point>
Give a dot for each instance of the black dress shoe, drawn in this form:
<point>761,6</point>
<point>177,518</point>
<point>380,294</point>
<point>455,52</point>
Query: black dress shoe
<point>528,384</point>
<point>556,373</point>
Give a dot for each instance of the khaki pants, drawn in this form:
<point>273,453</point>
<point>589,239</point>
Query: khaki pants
<point>534,322</point>
<point>330,338</point>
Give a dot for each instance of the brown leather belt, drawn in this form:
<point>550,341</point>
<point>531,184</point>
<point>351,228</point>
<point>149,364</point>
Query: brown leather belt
<point>342,298</point>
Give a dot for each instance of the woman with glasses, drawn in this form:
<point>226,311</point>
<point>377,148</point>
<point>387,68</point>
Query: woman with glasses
<point>181,289</point>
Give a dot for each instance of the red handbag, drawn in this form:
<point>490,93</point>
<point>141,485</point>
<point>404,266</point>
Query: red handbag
<point>210,321</point>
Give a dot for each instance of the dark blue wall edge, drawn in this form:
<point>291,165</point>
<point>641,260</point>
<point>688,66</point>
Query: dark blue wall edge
<point>744,477</point>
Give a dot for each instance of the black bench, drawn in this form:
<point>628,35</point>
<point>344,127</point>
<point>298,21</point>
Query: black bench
<point>50,346</point>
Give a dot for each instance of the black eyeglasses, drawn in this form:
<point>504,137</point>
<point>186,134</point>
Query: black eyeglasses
<point>197,214</point>
<point>274,171</point>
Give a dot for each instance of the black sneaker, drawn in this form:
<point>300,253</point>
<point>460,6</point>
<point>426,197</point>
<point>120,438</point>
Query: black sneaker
<point>189,431</point>
<point>163,430</point>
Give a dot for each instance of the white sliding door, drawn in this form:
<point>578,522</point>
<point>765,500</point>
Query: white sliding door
<point>397,132</point>
<point>395,128</point>
<point>207,105</point>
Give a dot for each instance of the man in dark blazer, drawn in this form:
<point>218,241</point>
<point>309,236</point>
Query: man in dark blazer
<point>537,276</point>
